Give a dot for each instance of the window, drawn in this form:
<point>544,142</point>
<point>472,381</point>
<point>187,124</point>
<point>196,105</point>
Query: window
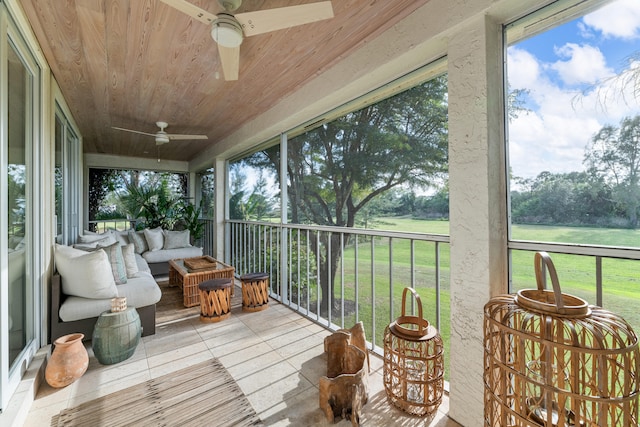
<point>573,73</point>
<point>66,178</point>
<point>574,121</point>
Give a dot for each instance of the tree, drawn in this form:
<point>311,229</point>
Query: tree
<point>207,185</point>
<point>255,205</point>
<point>153,202</point>
<point>516,103</point>
<point>624,86</point>
<point>338,168</point>
<point>101,183</point>
<point>614,156</point>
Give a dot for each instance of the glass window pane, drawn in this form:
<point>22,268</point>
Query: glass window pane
<point>59,181</point>
<point>254,183</point>
<point>371,167</point>
<point>20,298</point>
<point>573,127</point>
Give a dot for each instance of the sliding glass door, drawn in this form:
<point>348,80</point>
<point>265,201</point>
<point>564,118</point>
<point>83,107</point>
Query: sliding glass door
<point>20,96</point>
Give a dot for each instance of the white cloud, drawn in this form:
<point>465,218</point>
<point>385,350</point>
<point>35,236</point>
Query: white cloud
<point>523,68</point>
<point>620,19</point>
<point>554,135</point>
<point>583,64</point>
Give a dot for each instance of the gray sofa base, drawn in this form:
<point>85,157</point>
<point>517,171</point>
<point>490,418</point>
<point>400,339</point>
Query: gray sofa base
<point>159,268</point>
<point>59,328</point>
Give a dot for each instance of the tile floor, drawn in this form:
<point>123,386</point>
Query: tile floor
<point>276,356</point>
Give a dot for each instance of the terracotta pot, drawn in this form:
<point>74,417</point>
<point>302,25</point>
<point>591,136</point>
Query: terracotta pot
<point>68,362</point>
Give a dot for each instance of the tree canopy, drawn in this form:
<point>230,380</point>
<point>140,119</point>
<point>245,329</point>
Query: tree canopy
<point>335,170</point>
<point>614,156</point>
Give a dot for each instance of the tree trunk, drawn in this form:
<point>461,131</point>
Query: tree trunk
<point>329,260</point>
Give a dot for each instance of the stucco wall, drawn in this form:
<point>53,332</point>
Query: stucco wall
<point>477,206</point>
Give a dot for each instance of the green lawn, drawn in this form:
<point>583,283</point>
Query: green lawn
<point>576,274</point>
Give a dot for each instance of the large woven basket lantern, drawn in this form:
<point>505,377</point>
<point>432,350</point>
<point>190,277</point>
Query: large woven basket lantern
<point>550,359</point>
<point>413,370</point>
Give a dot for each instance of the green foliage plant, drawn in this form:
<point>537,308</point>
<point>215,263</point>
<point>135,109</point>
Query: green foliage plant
<point>190,220</point>
<point>158,206</point>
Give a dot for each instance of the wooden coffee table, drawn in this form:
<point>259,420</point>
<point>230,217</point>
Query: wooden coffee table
<point>189,278</point>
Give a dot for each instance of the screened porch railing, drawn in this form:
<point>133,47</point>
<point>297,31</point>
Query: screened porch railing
<point>375,266</point>
<point>369,268</point>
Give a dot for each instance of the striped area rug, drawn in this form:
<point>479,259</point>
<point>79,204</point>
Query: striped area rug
<point>201,395</point>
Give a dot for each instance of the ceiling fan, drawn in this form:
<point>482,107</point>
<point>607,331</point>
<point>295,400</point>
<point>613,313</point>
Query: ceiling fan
<point>163,137</point>
<point>228,30</point>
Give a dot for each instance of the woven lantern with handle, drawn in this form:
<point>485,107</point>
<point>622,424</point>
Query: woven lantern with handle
<point>413,362</point>
<point>553,360</point>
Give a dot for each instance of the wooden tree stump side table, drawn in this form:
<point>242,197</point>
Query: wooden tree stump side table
<point>255,291</point>
<point>215,299</point>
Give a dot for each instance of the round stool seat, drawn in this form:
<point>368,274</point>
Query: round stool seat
<point>255,291</point>
<point>215,299</point>
<point>249,277</point>
<point>214,284</point>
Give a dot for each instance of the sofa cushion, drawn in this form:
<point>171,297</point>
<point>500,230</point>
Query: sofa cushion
<point>155,238</point>
<point>116,260</point>
<point>105,241</point>
<point>168,254</point>
<point>130,263</point>
<point>105,238</point>
<point>85,274</point>
<point>122,237</point>
<point>140,292</point>
<point>176,239</point>
<point>142,264</point>
<point>139,241</point>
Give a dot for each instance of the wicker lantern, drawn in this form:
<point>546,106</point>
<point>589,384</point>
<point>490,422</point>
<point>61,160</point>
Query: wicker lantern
<point>553,360</point>
<point>413,362</point>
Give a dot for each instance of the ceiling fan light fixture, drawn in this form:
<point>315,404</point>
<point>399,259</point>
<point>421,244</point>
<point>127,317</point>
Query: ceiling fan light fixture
<point>226,31</point>
<point>161,139</point>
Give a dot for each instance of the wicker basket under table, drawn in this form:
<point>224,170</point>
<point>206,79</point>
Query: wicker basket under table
<point>189,279</point>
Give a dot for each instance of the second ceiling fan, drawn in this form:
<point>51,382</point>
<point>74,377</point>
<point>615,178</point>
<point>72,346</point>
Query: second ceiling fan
<point>228,30</point>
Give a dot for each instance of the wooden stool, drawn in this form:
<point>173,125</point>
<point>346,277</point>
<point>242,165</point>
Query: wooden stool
<point>255,291</point>
<point>215,299</point>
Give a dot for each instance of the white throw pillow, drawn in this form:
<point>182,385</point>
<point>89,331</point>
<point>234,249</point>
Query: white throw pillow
<point>176,239</point>
<point>122,237</point>
<point>105,241</point>
<point>116,261</point>
<point>139,241</point>
<point>129,255</point>
<point>155,238</point>
<point>90,237</point>
<point>85,274</point>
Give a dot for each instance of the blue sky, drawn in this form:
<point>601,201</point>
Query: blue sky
<point>568,72</point>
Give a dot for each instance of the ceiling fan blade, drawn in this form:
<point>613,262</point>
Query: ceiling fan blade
<point>179,136</point>
<point>191,10</point>
<point>230,59</point>
<point>134,131</point>
<point>264,21</point>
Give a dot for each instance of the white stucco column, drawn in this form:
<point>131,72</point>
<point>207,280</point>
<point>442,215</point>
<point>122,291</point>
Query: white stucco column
<point>478,226</point>
<point>220,207</point>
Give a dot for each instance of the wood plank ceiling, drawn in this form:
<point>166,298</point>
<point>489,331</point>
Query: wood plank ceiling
<point>130,63</point>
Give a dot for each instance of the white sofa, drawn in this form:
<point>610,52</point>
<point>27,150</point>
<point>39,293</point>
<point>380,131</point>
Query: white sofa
<point>158,261</point>
<point>79,296</point>
<point>156,246</point>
